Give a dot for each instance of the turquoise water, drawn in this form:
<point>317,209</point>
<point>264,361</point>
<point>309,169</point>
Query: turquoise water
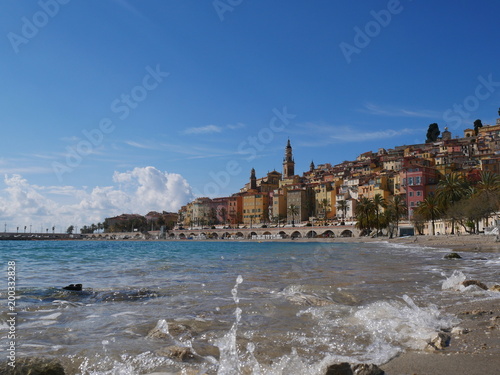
<point>295,308</point>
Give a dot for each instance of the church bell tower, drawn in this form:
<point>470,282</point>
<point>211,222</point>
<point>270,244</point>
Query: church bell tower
<point>288,162</point>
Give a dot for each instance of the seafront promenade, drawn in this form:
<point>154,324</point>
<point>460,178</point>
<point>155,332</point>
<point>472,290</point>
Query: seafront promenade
<point>237,233</point>
<point>38,236</point>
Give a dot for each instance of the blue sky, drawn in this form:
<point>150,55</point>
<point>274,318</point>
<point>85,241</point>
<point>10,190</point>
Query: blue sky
<point>121,105</point>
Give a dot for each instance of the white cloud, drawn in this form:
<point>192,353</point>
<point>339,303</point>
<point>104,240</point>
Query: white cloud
<point>203,130</point>
<point>239,125</point>
<point>334,134</point>
<point>140,145</point>
<point>400,112</point>
<point>354,135</point>
<point>137,191</point>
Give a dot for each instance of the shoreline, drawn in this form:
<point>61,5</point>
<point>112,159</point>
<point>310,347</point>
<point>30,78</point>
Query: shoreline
<point>473,348</point>
<point>471,353</point>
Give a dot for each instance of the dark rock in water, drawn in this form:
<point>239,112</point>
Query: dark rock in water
<point>467,283</point>
<point>343,368</point>
<point>205,350</point>
<point>33,366</point>
<point>358,369</point>
<point>75,287</point>
<point>160,331</point>
<point>364,369</point>
<point>177,352</point>
<point>440,341</point>
<point>452,256</point>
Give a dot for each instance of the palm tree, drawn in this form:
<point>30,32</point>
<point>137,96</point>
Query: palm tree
<point>342,206</point>
<point>450,190</point>
<point>397,209</point>
<point>292,211</point>
<point>489,182</point>
<point>325,204</point>
<point>430,210</point>
<point>378,202</point>
<point>488,189</point>
<point>364,211</point>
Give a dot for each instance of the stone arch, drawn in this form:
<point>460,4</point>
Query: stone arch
<point>214,236</point>
<point>296,234</point>
<point>346,233</point>
<point>251,234</point>
<point>311,234</point>
<point>283,234</point>
<point>226,235</point>
<point>192,235</point>
<point>239,235</point>
<point>328,234</point>
<point>267,233</point>
<point>171,235</point>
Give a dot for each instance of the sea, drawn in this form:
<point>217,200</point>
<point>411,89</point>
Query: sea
<point>195,307</point>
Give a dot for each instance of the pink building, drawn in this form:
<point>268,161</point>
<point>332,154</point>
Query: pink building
<point>417,182</point>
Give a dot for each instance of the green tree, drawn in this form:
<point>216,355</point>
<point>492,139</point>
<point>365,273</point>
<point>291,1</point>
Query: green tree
<point>489,182</point>
<point>378,203</point>
<point>293,211</point>
<point>396,209</point>
<point>70,229</point>
<point>477,124</point>
<point>324,207</point>
<point>432,133</point>
<point>430,209</point>
<point>364,211</point>
<point>450,190</point>
<point>342,206</point>
<point>418,221</point>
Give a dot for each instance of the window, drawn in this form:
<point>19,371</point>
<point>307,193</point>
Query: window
<point>411,193</point>
<point>410,181</point>
<point>412,204</point>
<point>418,180</point>
<point>419,193</point>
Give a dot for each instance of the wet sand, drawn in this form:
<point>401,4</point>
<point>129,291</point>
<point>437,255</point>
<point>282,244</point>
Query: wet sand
<point>476,352</point>
<point>474,243</point>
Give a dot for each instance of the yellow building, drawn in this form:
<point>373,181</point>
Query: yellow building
<point>325,200</point>
<point>381,187</point>
<point>279,207</point>
<point>255,207</point>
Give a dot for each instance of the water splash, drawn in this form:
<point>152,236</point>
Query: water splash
<point>229,363</point>
<point>454,282</point>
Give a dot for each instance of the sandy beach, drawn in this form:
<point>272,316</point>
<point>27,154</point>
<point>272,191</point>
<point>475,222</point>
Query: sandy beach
<point>474,348</point>
<point>473,351</point>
